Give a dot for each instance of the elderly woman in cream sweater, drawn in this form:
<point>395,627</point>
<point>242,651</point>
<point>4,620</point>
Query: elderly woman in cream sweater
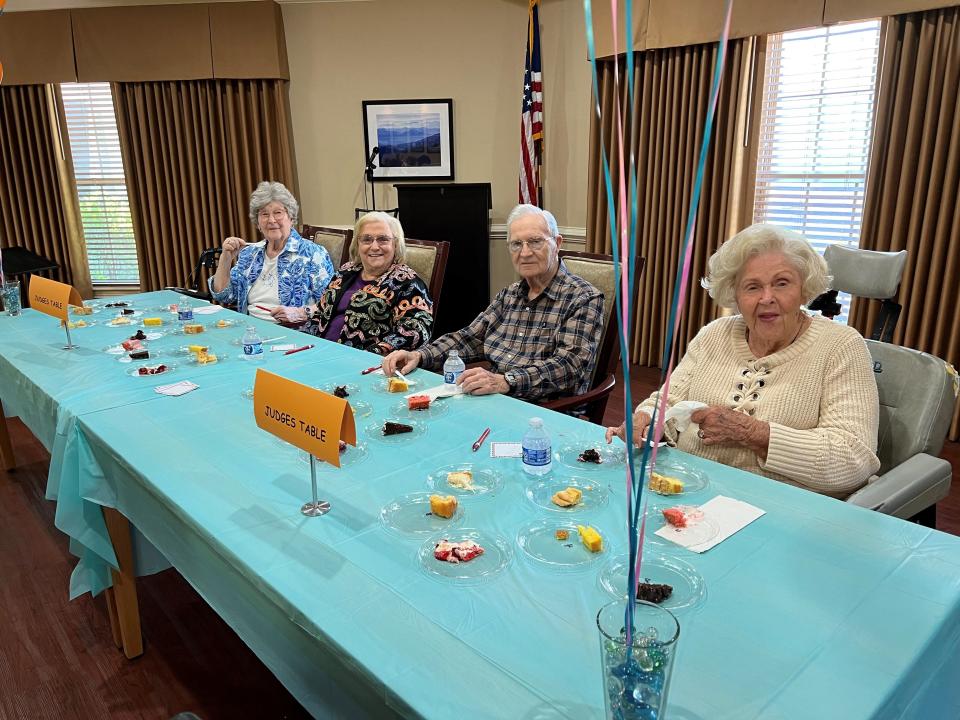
<point>789,396</point>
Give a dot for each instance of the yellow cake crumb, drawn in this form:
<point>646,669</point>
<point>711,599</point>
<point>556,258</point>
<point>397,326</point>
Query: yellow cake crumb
<point>396,385</point>
<point>590,538</point>
<point>665,485</point>
<point>443,506</point>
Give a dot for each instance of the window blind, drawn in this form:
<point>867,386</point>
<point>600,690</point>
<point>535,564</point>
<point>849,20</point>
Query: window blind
<point>815,130</point>
<point>102,190</point>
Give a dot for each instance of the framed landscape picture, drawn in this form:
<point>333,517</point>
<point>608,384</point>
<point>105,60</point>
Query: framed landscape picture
<point>413,138</point>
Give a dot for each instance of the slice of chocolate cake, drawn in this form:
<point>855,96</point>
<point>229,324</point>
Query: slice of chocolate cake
<point>654,592</point>
<point>590,455</point>
<point>340,391</point>
<point>395,428</point>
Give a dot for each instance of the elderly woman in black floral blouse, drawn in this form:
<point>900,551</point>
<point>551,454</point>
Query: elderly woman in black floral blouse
<point>375,302</point>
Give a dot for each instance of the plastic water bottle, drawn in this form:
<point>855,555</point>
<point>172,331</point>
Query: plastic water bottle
<point>184,310</point>
<point>252,343</point>
<point>452,368</point>
<point>537,452</point>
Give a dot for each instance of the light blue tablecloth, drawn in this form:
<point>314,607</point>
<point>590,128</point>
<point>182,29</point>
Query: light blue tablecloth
<point>818,609</point>
<point>49,387</point>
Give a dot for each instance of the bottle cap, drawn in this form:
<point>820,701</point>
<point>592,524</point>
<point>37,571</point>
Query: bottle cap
<point>536,422</point>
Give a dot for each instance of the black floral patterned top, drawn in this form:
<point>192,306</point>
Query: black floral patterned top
<point>394,312</point>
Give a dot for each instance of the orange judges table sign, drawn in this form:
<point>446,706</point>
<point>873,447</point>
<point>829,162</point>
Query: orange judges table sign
<point>52,297</point>
<point>305,417</point>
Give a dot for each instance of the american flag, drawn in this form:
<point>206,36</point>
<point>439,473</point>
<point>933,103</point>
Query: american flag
<point>531,119</point>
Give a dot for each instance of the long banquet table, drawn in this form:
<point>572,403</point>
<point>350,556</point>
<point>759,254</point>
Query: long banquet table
<point>816,610</point>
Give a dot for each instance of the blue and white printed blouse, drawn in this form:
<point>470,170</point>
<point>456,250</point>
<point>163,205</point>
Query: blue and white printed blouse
<point>304,270</point>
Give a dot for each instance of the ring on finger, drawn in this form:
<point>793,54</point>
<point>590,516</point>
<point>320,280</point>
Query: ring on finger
<point>700,434</point>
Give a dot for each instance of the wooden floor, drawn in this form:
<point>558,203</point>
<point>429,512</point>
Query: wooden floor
<point>57,659</point>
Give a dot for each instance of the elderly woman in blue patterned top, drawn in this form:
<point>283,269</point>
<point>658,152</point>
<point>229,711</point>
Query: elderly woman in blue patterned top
<point>285,273</point>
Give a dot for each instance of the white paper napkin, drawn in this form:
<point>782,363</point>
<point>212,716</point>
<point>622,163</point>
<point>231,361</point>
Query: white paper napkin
<point>176,389</point>
<point>730,515</point>
<point>440,391</point>
<point>207,309</point>
<point>681,413</point>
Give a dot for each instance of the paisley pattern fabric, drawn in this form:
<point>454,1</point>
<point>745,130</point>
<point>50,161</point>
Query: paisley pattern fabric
<point>394,312</point>
<point>304,270</point>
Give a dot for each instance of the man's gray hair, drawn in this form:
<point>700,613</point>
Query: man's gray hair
<point>269,191</point>
<point>520,210</point>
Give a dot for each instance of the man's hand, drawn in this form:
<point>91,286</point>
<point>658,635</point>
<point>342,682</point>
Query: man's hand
<point>405,361</point>
<point>478,381</point>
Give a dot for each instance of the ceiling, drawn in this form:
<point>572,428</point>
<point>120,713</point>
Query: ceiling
<point>21,5</point>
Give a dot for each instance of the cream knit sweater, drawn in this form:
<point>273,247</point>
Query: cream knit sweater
<point>818,394</point>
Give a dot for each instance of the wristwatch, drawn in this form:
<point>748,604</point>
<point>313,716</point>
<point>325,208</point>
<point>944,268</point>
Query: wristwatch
<point>511,379</point>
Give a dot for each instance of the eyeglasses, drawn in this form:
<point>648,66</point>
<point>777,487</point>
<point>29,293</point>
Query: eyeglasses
<point>535,244</point>
<point>379,240</point>
<point>275,215</point>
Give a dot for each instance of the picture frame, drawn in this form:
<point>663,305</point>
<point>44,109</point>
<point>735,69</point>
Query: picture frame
<point>413,139</point>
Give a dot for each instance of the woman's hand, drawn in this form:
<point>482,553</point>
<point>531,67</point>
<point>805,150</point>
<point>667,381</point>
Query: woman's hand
<point>641,421</point>
<point>724,426</point>
<point>231,249</point>
<point>403,360</point>
<point>289,315</point>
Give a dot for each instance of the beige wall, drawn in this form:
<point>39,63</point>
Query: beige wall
<point>469,50</point>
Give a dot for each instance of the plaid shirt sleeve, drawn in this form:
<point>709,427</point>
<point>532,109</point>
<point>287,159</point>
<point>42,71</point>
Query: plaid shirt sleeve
<point>469,341</point>
<point>576,353</point>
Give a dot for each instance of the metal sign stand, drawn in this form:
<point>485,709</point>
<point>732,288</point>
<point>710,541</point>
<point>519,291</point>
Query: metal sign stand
<point>315,508</point>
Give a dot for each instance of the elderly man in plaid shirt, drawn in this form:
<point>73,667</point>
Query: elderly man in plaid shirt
<point>540,335</point>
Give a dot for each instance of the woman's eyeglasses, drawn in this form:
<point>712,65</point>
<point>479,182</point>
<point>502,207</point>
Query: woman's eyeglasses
<point>379,240</point>
<point>535,244</point>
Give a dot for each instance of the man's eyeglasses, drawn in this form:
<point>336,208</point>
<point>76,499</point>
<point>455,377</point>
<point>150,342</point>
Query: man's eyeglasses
<point>379,240</point>
<point>535,244</point>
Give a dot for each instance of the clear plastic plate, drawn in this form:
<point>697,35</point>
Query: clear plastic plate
<point>496,556</point>
<point>157,355</point>
<point>437,408</point>
<point>361,409</point>
<point>375,431</point>
<point>135,371</point>
<point>410,515</point>
<point>486,482</point>
<point>118,322</point>
<point>86,323</point>
<point>689,589</point>
<point>539,541</point>
<point>693,478</point>
<point>352,390</point>
<point>594,494</point>
<point>611,455</point>
<point>350,457</point>
<point>699,529</point>
<point>380,384</point>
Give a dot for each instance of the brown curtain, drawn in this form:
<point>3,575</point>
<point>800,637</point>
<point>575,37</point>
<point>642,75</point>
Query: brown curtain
<point>193,151</point>
<point>33,212</point>
<point>913,183</point>
<point>671,91</point>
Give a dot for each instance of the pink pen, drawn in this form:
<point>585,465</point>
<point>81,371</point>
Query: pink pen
<point>479,442</point>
